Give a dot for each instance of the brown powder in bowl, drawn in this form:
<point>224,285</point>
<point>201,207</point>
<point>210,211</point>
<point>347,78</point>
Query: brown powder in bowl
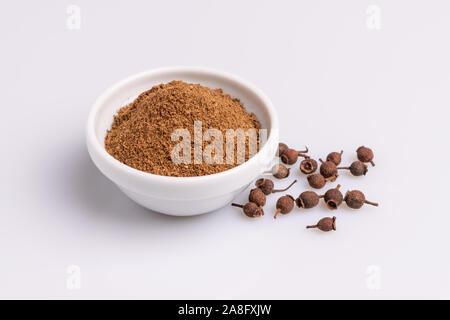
<point>140,136</point>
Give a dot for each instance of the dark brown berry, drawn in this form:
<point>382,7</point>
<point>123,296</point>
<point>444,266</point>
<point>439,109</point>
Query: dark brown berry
<point>308,166</point>
<point>335,157</point>
<point>257,196</point>
<point>328,169</point>
<point>333,198</point>
<point>289,156</point>
<point>365,155</point>
<point>251,210</point>
<point>317,181</point>
<point>355,199</point>
<point>281,148</point>
<point>357,168</point>
<point>267,186</point>
<point>325,224</point>
<point>284,205</point>
<point>280,171</point>
<point>307,200</point>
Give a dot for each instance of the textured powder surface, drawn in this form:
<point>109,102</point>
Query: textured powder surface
<point>140,136</point>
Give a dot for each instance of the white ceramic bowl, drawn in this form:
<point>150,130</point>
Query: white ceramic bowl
<point>180,196</point>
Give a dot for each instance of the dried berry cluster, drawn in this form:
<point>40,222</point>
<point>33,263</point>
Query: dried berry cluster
<point>328,171</point>
<point>257,197</point>
<point>333,198</point>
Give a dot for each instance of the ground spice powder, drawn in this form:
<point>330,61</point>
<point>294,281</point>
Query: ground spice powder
<point>140,136</point>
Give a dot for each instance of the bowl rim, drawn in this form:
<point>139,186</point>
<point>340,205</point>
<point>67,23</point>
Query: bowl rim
<point>94,144</point>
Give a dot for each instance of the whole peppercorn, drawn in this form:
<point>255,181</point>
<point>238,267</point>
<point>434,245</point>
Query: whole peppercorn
<point>251,210</point>
<point>281,148</point>
<point>325,224</point>
<point>328,169</point>
<point>333,198</point>
<point>317,180</point>
<point>267,186</point>
<point>308,166</point>
<point>279,171</point>
<point>257,196</point>
<point>290,156</point>
<point>308,200</point>
<point>357,168</point>
<point>365,155</point>
<point>355,199</point>
<point>284,205</point>
<point>335,157</point>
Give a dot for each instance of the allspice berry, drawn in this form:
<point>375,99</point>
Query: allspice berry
<point>279,171</point>
<point>251,210</point>
<point>317,181</point>
<point>335,157</point>
<point>328,169</point>
<point>308,200</point>
<point>308,166</point>
<point>290,156</point>
<point>365,155</point>
<point>267,186</point>
<point>325,224</point>
<point>355,199</point>
<point>281,148</point>
<point>333,198</point>
<point>357,168</point>
<point>284,205</point>
<point>257,196</point>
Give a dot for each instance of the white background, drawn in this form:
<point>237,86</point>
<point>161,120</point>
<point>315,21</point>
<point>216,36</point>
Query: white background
<point>336,84</point>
